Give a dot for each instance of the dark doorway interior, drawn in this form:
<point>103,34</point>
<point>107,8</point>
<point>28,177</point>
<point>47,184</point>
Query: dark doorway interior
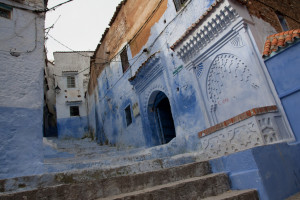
<point>164,119</point>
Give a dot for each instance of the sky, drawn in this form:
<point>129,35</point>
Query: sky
<point>78,24</point>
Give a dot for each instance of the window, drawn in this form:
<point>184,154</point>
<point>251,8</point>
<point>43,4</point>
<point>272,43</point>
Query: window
<point>128,115</point>
<point>74,111</point>
<point>124,59</point>
<point>5,11</point>
<point>70,81</point>
<point>179,4</point>
<point>282,21</point>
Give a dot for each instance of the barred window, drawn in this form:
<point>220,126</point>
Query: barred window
<point>179,4</point>
<point>74,111</point>
<point>70,81</point>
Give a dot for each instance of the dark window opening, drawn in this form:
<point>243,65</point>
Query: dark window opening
<point>74,111</point>
<point>124,59</point>
<point>5,13</point>
<point>70,82</point>
<point>179,4</point>
<point>282,21</point>
<point>128,115</point>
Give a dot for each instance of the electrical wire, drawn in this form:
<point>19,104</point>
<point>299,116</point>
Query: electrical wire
<point>52,8</point>
<point>73,51</point>
<point>152,44</point>
<point>52,26</point>
<point>40,11</point>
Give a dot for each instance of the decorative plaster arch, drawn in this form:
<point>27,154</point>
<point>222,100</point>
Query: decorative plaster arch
<point>150,94</point>
<point>226,67</point>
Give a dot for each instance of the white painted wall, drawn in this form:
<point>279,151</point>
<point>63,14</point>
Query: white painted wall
<point>71,61</point>
<point>21,89</point>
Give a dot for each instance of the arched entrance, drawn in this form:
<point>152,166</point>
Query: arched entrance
<point>163,119</point>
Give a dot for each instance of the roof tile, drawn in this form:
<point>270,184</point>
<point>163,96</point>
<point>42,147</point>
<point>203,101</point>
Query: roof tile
<point>279,40</point>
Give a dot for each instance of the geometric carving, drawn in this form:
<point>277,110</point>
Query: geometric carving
<point>198,70</point>
<point>232,140</point>
<point>237,42</point>
<point>199,37</point>
<point>224,68</point>
<point>146,73</point>
<point>255,131</point>
<point>148,92</point>
<point>267,129</point>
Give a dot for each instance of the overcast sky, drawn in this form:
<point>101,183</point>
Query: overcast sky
<point>80,24</point>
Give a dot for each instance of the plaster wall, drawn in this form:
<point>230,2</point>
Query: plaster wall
<point>116,92</point>
<point>130,17</point>
<point>21,93</point>
<point>76,63</point>
<point>272,170</point>
<point>285,73</point>
<point>30,4</point>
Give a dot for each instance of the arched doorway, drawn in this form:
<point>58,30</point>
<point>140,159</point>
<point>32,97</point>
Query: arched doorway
<point>164,124</point>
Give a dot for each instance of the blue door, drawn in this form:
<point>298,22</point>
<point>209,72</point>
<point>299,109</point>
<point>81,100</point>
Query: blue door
<point>164,118</point>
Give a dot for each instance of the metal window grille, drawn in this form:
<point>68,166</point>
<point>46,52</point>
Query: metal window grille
<point>70,81</point>
<point>128,115</point>
<point>124,59</point>
<point>74,111</point>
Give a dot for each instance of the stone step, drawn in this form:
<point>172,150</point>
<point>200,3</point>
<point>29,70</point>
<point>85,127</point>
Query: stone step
<point>236,195</point>
<point>66,164</point>
<point>192,188</point>
<point>152,168</point>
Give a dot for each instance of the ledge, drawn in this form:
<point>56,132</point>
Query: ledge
<point>238,118</point>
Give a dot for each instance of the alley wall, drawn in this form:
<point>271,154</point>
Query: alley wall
<point>21,89</point>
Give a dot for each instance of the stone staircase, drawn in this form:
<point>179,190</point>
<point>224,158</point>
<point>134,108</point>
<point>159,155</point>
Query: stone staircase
<point>135,176</point>
<point>189,181</point>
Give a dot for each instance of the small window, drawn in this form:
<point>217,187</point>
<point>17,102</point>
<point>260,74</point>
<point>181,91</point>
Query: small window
<point>179,4</point>
<point>70,81</point>
<point>5,11</point>
<point>124,59</point>
<point>282,21</point>
<point>74,111</point>
<point>128,115</point>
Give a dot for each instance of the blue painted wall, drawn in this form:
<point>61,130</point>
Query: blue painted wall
<point>115,92</point>
<point>285,72</point>
<point>21,138</point>
<point>73,127</point>
<point>273,170</point>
